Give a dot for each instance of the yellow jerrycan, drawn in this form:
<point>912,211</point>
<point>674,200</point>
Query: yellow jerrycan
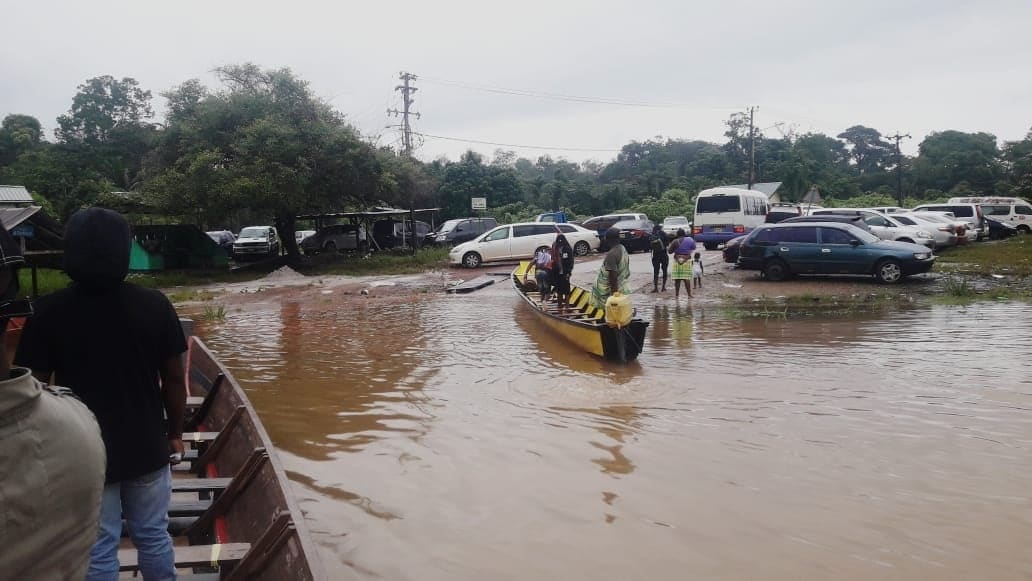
<point>618,310</point>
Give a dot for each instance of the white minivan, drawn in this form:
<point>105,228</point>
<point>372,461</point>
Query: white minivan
<point>521,241</point>
<point>1014,211</point>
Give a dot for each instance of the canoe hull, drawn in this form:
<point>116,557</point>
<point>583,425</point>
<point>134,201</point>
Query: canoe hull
<point>582,324</point>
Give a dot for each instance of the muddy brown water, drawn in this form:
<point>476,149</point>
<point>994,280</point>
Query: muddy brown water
<point>448,438</point>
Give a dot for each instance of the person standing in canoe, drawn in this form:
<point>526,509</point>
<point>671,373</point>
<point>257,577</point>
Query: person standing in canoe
<point>682,248</point>
<point>119,347</point>
<point>615,271</point>
<point>562,268</point>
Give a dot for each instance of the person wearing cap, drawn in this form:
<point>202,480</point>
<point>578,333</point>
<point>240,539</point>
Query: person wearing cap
<point>111,341</point>
<point>51,460</point>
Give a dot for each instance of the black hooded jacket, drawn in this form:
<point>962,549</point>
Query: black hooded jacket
<point>107,340</point>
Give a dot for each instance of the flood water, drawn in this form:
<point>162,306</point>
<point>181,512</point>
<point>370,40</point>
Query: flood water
<point>449,439</point>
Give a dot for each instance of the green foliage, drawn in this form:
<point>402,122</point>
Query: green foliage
<point>48,280</point>
<point>958,162</point>
<point>672,202</point>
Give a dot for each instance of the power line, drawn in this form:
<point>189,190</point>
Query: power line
<point>565,97</point>
<point>427,135</point>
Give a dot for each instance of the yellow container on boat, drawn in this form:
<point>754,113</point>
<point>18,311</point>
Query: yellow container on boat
<point>618,310</point>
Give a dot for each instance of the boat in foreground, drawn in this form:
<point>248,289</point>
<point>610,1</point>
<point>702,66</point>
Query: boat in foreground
<point>232,514</point>
<point>580,322</point>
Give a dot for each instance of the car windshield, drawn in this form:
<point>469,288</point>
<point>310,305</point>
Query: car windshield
<point>448,226</point>
<point>715,204</point>
<point>673,220</point>
<point>254,233</point>
<point>630,224</point>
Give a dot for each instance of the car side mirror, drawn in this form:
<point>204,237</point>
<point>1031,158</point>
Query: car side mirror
<point>854,242</point>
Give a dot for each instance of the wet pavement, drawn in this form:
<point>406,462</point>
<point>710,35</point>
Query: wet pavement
<point>447,437</point>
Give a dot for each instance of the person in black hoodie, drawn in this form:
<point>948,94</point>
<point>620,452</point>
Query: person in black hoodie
<point>111,342</point>
<point>562,268</point>
<point>660,260</point>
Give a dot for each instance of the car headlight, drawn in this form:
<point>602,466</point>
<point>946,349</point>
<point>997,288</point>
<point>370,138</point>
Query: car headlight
<point>922,255</point>
<point>923,234</point>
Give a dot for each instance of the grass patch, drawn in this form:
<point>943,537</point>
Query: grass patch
<point>1012,256</point>
<point>48,280</point>
<point>214,313</point>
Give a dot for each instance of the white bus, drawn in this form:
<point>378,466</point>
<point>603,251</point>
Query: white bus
<point>725,213</point>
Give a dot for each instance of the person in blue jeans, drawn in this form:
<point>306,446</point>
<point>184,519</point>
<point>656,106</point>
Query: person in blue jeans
<point>111,342</point>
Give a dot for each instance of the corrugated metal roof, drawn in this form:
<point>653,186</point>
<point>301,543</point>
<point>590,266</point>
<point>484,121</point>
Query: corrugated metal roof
<point>11,217</point>
<point>12,194</point>
<point>767,188</point>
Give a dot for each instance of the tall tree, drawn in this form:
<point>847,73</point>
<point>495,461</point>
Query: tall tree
<point>946,159</point>
<point>867,148</point>
<point>1017,155</point>
<point>18,134</point>
<point>102,105</point>
<point>264,143</point>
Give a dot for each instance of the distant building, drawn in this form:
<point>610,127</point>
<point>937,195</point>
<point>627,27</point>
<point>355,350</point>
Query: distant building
<point>770,189</point>
<point>14,197</point>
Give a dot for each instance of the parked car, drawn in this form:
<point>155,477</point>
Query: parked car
<point>602,223</point>
<point>943,230</point>
<point>782,250</point>
<point>883,226</point>
<point>460,230</point>
<point>300,235</point>
<point>731,249</point>
<point>671,224</point>
<point>779,213</point>
<point>335,238</point>
<point>635,234</point>
<point>224,238</point>
<point>857,221</point>
<point>1012,211</point>
<point>394,233</point>
<point>257,241</point>
<point>520,241</point>
<point>968,212</point>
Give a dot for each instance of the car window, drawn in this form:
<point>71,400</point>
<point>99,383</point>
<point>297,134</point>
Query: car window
<point>873,220</point>
<point>762,235</point>
<point>543,228</point>
<point>835,236</point>
<point>566,228</point>
<point>714,204</point>
<point>800,234</point>
<point>905,220</point>
<point>525,230</point>
<point>1023,210</point>
<point>499,234</point>
<point>963,211</point>
<point>995,210</point>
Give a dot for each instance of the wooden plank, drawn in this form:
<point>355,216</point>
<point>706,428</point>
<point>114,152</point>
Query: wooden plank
<point>176,525</point>
<point>471,285</point>
<point>199,436</point>
<point>243,477</point>
<point>219,443</point>
<point>192,508</point>
<point>191,556</point>
<point>201,413</point>
<point>199,484</point>
<point>194,401</point>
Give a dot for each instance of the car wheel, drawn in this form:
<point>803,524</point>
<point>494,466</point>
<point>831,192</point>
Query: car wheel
<point>540,249</point>
<point>888,271</point>
<point>709,245</point>
<point>582,248</point>
<point>775,270</point>
<point>330,247</point>
<point>471,260</point>
<point>1023,229</point>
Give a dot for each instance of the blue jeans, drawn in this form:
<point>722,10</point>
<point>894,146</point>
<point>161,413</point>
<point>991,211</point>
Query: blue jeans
<point>144,503</point>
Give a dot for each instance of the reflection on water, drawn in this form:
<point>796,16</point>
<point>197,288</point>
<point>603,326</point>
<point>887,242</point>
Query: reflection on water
<point>450,438</point>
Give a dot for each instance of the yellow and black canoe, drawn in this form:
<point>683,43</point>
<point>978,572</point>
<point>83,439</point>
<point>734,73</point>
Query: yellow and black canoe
<point>580,322</point>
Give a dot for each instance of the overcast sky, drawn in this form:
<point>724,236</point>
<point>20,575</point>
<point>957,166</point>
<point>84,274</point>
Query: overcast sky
<point>811,65</point>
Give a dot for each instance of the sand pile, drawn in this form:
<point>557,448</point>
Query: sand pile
<point>283,274</point>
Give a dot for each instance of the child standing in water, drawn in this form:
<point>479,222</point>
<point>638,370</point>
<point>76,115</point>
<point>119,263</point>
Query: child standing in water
<point>697,270</point>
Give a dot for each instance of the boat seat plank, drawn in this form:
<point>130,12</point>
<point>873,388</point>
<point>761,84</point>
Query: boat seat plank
<point>191,508</point>
<point>194,401</point>
<point>199,436</point>
<point>245,474</point>
<point>176,525</point>
<point>199,484</point>
<point>268,544</point>
<point>191,556</point>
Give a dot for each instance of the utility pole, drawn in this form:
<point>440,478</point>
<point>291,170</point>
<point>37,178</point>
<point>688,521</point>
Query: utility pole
<point>407,90</point>
<point>752,148</point>
<point>899,166</point>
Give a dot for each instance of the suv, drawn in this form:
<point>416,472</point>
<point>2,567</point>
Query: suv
<point>257,241</point>
<point>393,233</point>
<point>602,223</point>
<point>460,230</point>
<point>971,213</point>
<point>335,238</point>
<point>781,250</point>
<point>883,226</point>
